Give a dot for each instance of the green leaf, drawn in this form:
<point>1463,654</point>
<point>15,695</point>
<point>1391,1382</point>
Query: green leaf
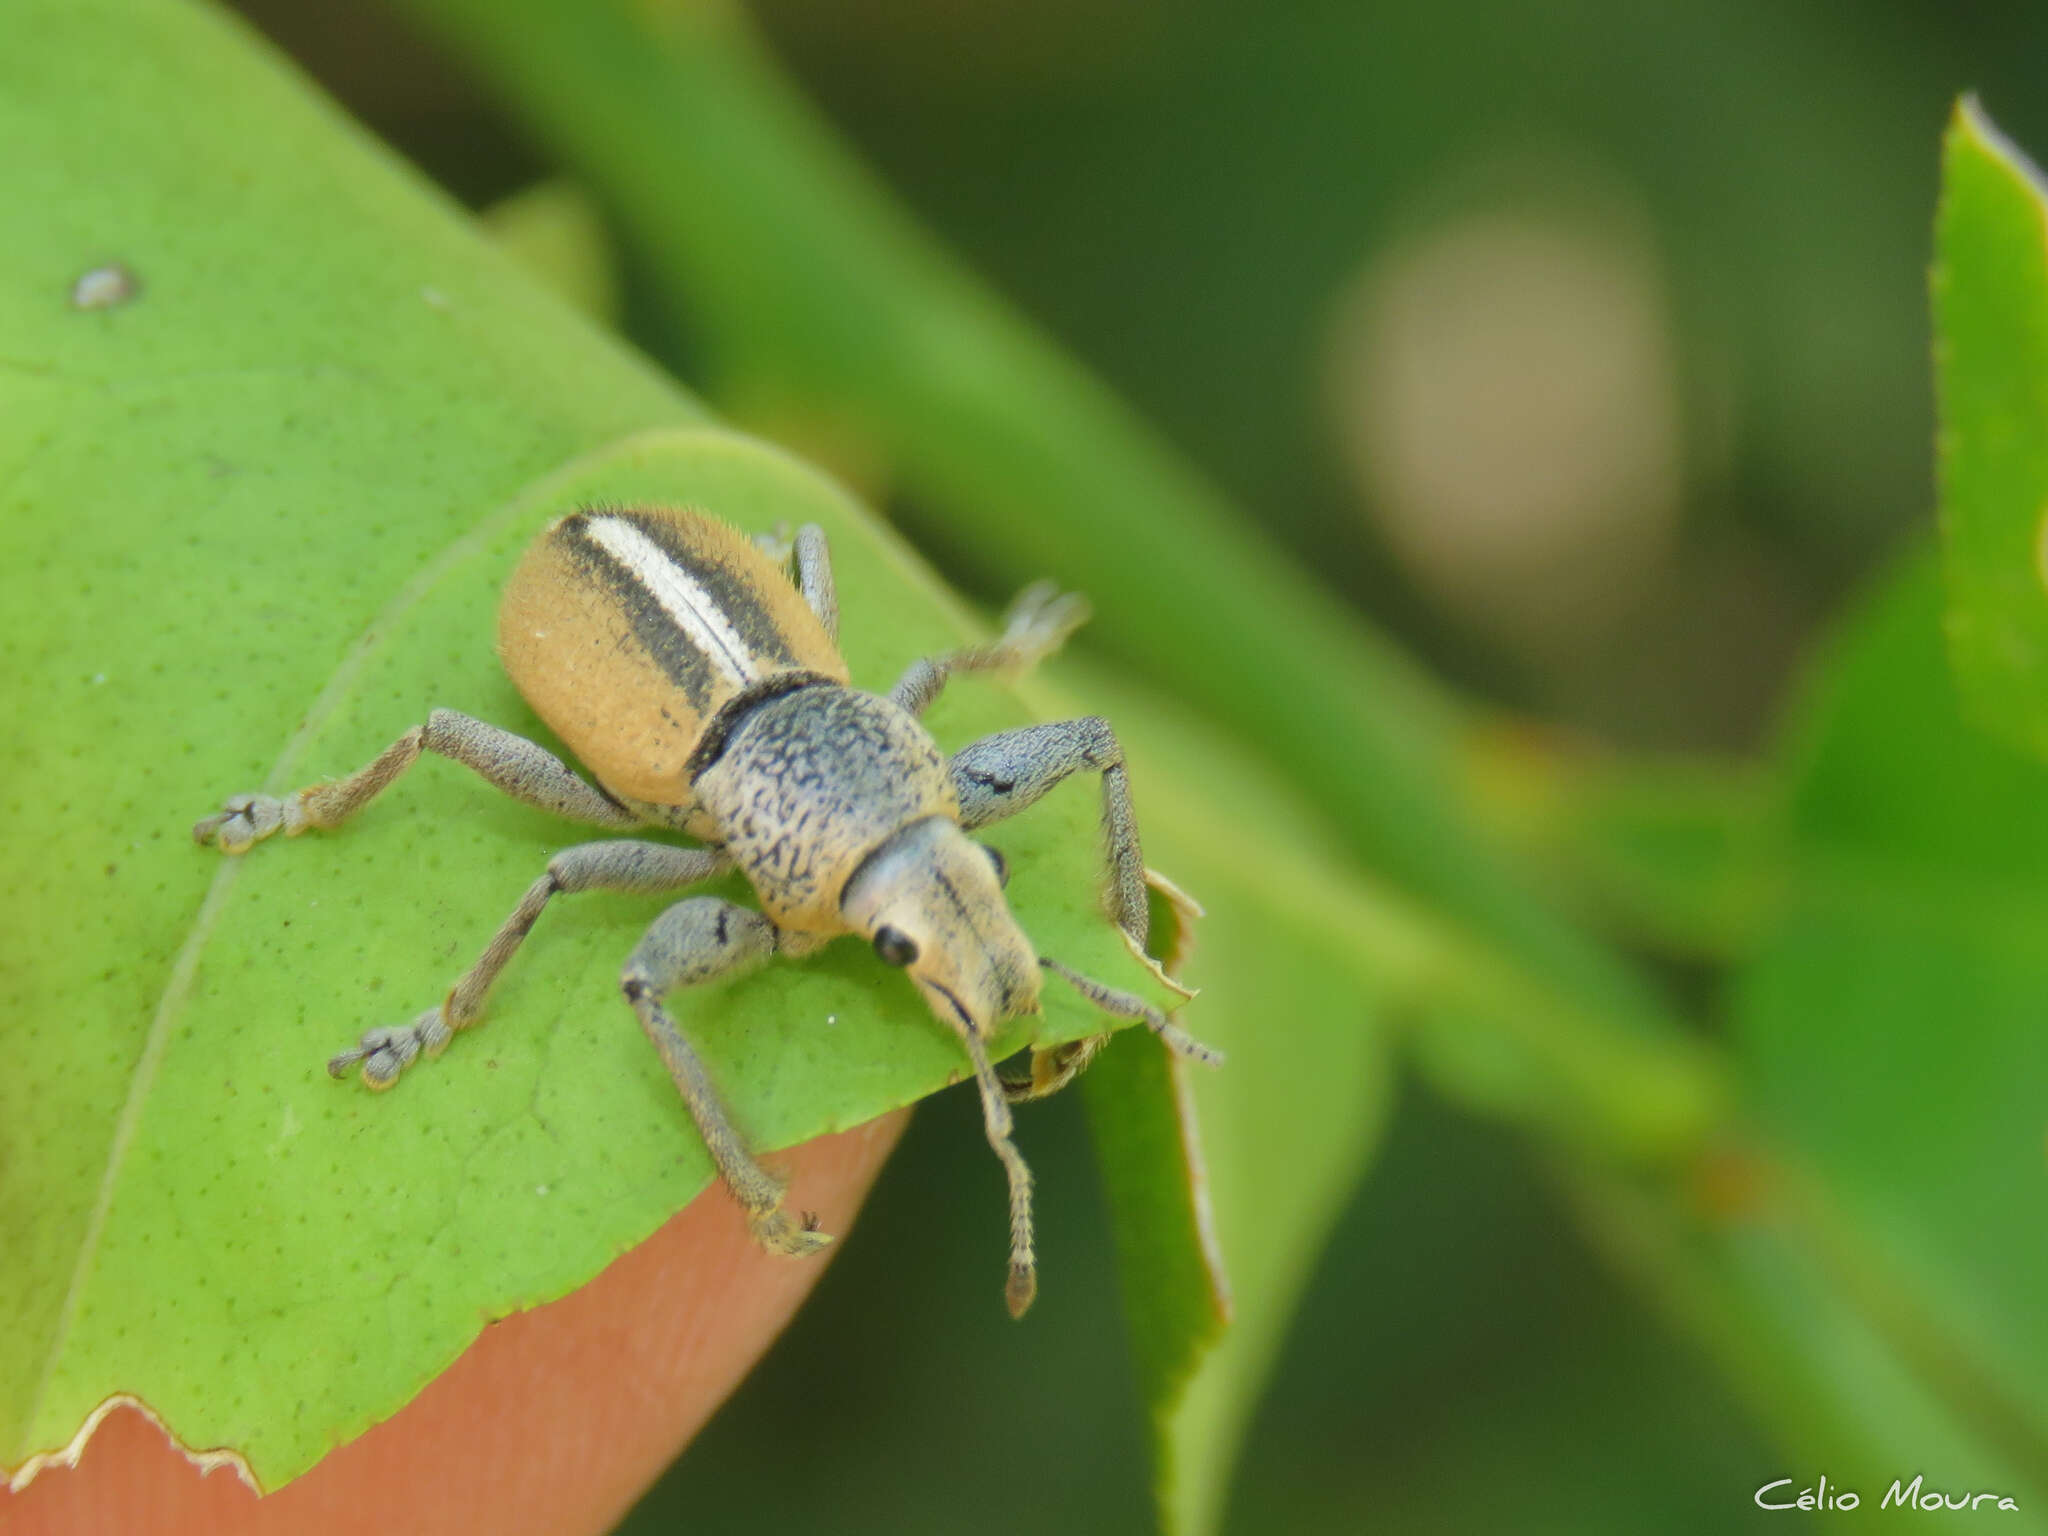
<point>1991,375</point>
<point>257,513</point>
<point>1297,961</point>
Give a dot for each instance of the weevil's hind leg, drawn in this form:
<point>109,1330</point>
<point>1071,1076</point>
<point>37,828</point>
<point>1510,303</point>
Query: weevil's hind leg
<point>647,868</point>
<point>1038,623</point>
<point>813,569</point>
<point>1052,1069</point>
<point>1000,775</point>
<point>695,941</point>
<point>512,763</point>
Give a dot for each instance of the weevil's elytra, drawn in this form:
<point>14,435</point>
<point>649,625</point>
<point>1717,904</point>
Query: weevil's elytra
<point>627,630</point>
<point>705,692</point>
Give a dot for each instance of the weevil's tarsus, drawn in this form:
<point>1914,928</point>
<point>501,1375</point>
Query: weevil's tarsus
<point>1128,1005</point>
<point>1038,623</point>
<point>512,763</point>
<point>696,941</point>
<point>778,543</point>
<point>1001,775</point>
<point>388,1050</point>
<point>630,866</point>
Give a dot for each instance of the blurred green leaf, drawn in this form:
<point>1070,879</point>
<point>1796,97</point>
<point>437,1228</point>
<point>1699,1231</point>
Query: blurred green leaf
<point>1991,373</point>
<point>257,515</point>
<point>1863,1253</point>
<point>1890,1023</point>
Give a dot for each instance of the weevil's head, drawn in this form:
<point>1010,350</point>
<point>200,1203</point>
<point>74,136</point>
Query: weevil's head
<point>930,899</point>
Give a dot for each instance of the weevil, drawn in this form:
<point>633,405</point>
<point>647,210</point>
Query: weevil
<point>703,690</point>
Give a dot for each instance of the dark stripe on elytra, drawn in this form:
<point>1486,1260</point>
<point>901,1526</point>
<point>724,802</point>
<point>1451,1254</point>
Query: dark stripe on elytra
<point>681,662</point>
<point>733,591</point>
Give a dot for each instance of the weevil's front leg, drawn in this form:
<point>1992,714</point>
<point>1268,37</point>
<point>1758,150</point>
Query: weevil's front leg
<point>813,569</point>
<point>645,868</point>
<point>514,764</point>
<point>695,941</point>
<point>1038,623</point>
<point>1000,775</point>
<point>1128,1005</point>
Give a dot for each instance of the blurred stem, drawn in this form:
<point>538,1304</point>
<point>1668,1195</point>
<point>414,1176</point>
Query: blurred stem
<point>1760,1265</point>
<point>816,301</point>
<point>1676,855</point>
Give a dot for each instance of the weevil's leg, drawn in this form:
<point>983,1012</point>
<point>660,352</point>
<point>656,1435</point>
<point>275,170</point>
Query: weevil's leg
<point>646,868</point>
<point>1052,1070</point>
<point>1000,775</point>
<point>514,764</point>
<point>695,941</point>
<point>813,569</point>
<point>1127,1005</point>
<point>1038,623</point>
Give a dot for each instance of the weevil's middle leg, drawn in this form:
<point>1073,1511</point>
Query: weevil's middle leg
<point>515,765</point>
<point>1000,775</point>
<point>695,941</point>
<point>647,868</point>
<point>1038,623</point>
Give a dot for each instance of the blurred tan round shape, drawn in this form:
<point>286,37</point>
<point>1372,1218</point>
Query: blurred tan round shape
<point>1504,392</point>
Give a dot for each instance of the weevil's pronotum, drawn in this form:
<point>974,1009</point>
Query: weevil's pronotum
<point>705,693</point>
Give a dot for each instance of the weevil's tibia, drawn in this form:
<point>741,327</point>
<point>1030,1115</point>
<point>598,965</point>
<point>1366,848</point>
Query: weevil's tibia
<point>695,941</point>
<point>1038,623</point>
<point>636,867</point>
<point>514,764</point>
<point>1126,1005</point>
<point>1001,775</point>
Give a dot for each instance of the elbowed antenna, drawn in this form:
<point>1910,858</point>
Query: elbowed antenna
<point>1127,1005</point>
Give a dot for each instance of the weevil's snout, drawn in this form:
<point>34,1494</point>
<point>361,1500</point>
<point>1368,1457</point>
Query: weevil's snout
<point>931,901</point>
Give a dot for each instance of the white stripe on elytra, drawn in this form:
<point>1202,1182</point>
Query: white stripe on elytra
<point>681,597</point>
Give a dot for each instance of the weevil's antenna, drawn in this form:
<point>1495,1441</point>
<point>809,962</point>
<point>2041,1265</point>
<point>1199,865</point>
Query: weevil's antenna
<point>1126,1005</point>
<point>995,1114</point>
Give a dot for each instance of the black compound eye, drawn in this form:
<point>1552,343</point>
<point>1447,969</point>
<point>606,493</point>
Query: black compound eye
<point>995,857</point>
<point>894,945</point>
